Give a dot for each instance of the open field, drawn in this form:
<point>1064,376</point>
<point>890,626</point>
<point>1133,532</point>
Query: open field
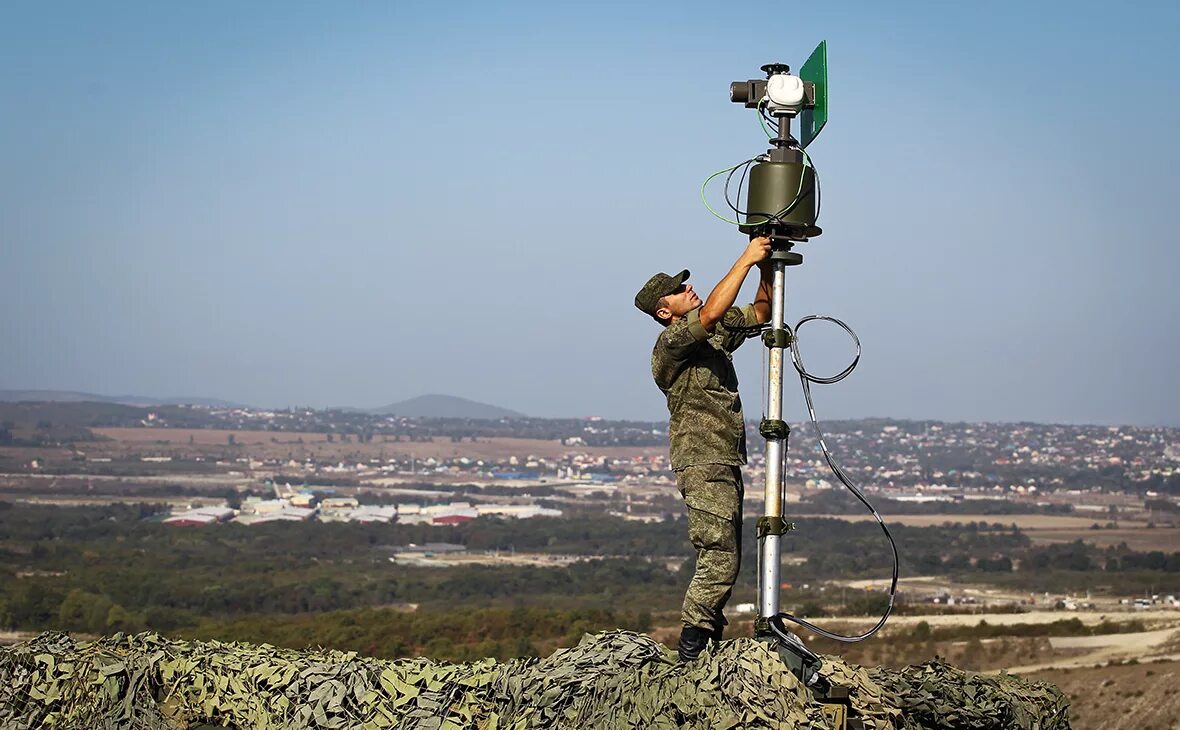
<point>1047,529</point>
<point>503,557</point>
<point>1156,618</point>
<point>266,444</point>
<point>1142,696</point>
<point>1089,651</point>
<point>175,503</point>
<point>1027,523</point>
<point>928,586</point>
<point>1136,538</point>
<point>12,637</point>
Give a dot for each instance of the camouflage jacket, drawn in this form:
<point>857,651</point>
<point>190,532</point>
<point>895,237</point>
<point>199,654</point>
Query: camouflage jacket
<point>695,371</point>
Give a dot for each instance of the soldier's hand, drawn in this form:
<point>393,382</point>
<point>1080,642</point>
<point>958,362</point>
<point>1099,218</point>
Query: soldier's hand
<point>758,250</point>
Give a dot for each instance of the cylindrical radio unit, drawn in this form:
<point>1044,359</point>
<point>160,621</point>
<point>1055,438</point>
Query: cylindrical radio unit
<point>781,199</point>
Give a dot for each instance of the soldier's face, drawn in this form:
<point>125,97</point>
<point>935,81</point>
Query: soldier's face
<point>682,301</point>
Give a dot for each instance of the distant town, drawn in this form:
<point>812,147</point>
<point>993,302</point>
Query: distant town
<point>306,464</point>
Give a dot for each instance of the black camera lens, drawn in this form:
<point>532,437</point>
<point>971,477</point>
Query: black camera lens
<point>739,92</point>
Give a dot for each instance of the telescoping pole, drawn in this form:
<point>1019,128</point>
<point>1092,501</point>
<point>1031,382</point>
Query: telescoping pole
<point>771,526</point>
<point>768,579</point>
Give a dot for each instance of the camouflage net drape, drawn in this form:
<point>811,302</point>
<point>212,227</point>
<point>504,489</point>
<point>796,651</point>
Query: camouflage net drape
<point>615,679</point>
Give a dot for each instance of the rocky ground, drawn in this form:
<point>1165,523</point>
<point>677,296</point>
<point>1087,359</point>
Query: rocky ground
<point>1142,696</point>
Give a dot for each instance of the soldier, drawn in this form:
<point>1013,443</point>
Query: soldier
<point>692,363</point>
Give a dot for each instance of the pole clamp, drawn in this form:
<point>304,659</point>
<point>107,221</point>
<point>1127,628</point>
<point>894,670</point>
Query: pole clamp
<point>780,338</point>
<point>774,429</point>
<point>773,526</point>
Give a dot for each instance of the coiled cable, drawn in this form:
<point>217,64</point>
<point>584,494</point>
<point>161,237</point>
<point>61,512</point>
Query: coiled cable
<point>806,379</point>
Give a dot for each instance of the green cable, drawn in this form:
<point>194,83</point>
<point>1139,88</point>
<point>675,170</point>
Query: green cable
<point>802,177</point>
<point>706,202</point>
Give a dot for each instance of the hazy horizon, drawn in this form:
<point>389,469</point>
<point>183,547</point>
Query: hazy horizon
<point>658,418</point>
<point>281,204</point>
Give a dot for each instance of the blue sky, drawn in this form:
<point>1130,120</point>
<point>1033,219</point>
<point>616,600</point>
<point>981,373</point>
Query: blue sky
<point>283,203</point>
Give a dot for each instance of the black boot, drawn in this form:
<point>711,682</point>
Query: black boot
<point>692,642</point>
<point>718,629</point>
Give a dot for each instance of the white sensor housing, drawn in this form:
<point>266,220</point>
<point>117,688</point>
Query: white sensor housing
<point>784,94</point>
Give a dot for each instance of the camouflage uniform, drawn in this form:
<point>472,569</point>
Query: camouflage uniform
<point>695,371</point>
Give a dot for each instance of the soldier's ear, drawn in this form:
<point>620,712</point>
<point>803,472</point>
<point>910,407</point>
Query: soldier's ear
<point>664,314</point>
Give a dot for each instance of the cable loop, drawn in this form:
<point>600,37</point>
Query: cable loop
<point>806,379</point>
<point>797,358</point>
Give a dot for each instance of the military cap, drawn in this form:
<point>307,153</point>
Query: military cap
<point>658,286</point>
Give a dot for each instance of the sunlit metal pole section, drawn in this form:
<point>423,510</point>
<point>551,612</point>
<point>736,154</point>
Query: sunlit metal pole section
<point>768,555</point>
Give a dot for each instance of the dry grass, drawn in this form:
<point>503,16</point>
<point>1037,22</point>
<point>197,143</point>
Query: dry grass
<point>1140,538</point>
<point>1024,522</point>
<point>1044,529</point>
<point>269,444</point>
<point>1120,697</point>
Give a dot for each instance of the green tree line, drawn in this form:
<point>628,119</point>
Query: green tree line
<point>114,568</point>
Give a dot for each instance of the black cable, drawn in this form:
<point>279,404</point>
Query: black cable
<point>818,200</point>
<point>799,197</point>
<point>772,121</point>
<point>748,330</point>
<point>770,218</point>
<point>806,378</point>
<point>741,181</point>
<point>790,206</point>
<point>728,178</point>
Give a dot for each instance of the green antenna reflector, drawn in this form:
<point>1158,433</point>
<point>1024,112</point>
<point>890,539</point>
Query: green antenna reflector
<point>815,71</point>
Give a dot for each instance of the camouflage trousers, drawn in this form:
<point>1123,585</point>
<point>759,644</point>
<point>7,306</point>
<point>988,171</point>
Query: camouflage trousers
<point>713,493</point>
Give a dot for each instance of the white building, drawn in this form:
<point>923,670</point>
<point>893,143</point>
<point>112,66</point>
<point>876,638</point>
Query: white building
<point>372,513</point>
<point>200,516</point>
<point>287,514</point>
<point>519,511</point>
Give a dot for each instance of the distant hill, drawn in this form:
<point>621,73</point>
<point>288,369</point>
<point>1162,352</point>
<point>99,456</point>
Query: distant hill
<point>445,406</point>
<point>70,396</point>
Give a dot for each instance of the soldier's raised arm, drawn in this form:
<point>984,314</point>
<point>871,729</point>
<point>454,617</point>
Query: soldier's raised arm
<point>725,293</point>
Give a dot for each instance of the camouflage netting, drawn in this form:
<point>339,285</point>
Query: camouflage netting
<point>615,679</point>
